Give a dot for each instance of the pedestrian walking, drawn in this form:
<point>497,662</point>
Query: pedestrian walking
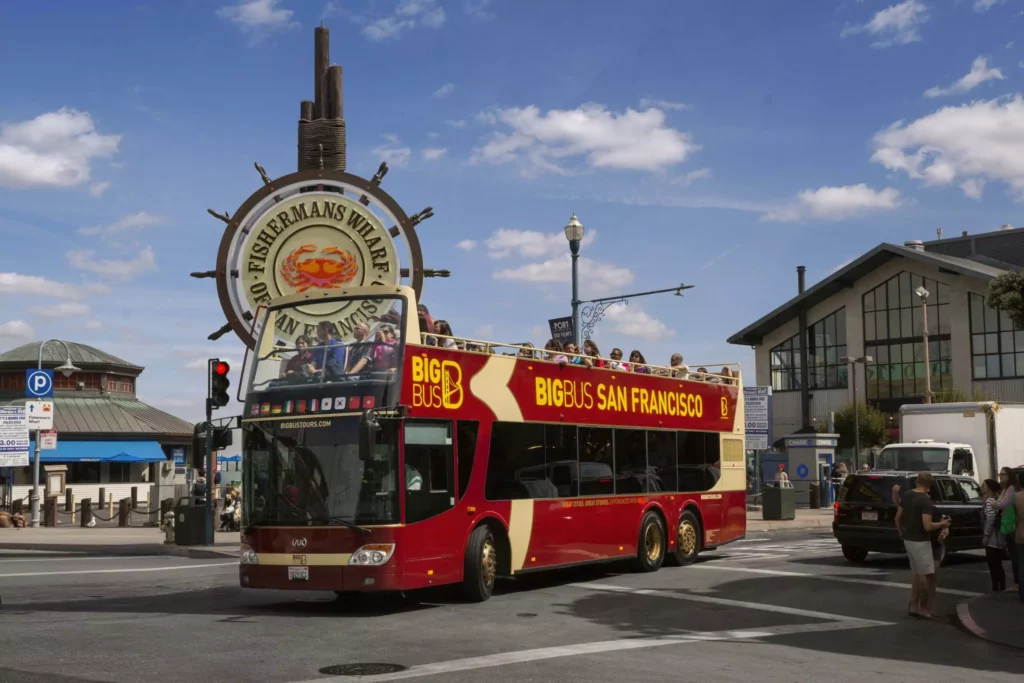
<point>992,540</point>
<point>915,524</point>
<point>1009,522</point>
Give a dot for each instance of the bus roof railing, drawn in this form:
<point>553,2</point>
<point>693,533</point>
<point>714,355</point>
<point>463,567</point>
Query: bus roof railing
<point>533,353</point>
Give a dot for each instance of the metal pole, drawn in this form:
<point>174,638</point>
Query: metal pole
<point>33,497</point>
<point>210,473</point>
<point>574,246</point>
<point>927,364</point>
<point>856,416</point>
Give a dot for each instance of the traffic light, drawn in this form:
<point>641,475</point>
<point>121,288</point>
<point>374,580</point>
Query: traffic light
<point>219,382</point>
<point>222,437</point>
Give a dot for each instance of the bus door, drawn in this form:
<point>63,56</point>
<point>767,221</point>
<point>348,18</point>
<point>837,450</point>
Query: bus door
<point>429,492</point>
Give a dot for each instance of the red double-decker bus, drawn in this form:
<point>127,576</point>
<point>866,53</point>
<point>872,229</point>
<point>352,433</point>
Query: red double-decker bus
<point>389,463</point>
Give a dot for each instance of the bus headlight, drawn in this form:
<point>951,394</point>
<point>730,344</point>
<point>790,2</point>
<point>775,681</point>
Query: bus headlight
<point>248,555</point>
<point>372,555</point>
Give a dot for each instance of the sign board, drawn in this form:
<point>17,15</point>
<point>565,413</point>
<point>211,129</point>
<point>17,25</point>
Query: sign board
<point>48,440</point>
<point>178,453</point>
<point>14,441</point>
<point>757,415</point>
<point>40,414</point>
<point>802,471</point>
<point>561,329</point>
<point>39,383</point>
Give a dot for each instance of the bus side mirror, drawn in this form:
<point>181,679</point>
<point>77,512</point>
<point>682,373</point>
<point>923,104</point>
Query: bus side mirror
<point>368,428</point>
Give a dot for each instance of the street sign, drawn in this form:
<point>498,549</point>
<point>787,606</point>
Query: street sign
<point>13,436</point>
<point>561,329</point>
<point>40,414</point>
<point>48,440</point>
<point>39,383</point>
<point>179,459</point>
<point>757,415</point>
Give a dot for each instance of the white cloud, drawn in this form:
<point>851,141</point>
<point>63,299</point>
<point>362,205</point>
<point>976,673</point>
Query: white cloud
<point>466,245</point>
<point>16,329</point>
<point>93,325</point>
<point>444,91</point>
<point>633,140</point>
<point>894,25</point>
<point>63,309</point>
<point>668,105</point>
<point>633,321</point>
<point>478,9</point>
<point>835,203</point>
<point>33,285</point>
<point>598,278</point>
<point>529,243</point>
<point>258,16</point>
<point>979,73</point>
<point>433,136</point>
<point>393,152</point>
<point>484,332</point>
<point>134,221</point>
<point>985,5</point>
<point>692,176</point>
<point>408,15</point>
<point>434,153</point>
<point>112,269</point>
<point>983,139</point>
<point>97,189</point>
<point>52,150</point>
<point>456,124</point>
<point>974,188</point>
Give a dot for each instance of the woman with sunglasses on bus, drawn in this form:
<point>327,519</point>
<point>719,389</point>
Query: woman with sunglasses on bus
<point>639,363</point>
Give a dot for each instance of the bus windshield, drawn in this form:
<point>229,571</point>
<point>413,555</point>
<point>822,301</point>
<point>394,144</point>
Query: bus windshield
<point>309,472</point>
<point>914,459</point>
<point>349,339</point>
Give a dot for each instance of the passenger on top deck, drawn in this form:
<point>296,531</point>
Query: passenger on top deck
<point>639,362</point>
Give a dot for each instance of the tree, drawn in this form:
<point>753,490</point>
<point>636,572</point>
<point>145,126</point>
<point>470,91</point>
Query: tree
<point>1006,294</point>
<point>872,426</point>
<point>958,395</point>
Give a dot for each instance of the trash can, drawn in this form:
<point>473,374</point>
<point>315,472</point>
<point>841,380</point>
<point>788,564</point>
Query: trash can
<point>815,496</point>
<point>778,503</point>
<point>189,523</point>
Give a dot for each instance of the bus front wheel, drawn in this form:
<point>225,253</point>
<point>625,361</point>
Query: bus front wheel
<point>688,537</point>
<point>650,552</point>
<point>481,565</point>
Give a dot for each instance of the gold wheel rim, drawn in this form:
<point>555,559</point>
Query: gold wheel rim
<point>488,563</point>
<point>652,542</point>
<point>686,539</point>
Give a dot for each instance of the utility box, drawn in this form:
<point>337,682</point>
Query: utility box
<point>778,503</point>
<point>189,523</point>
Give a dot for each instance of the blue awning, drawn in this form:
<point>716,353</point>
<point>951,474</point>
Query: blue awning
<point>103,451</point>
<point>229,458</point>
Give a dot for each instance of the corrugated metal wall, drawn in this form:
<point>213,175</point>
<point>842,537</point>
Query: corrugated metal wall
<point>1008,390</point>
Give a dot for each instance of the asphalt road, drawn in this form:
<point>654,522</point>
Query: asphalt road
<point>782,607</point>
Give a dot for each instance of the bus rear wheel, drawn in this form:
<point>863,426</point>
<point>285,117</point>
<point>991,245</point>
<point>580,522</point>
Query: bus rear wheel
<point>688,537</point>
<point>650,552</point>
<point>481,567</point>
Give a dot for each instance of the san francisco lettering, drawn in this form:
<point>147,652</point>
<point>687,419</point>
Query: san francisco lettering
<point>563,393</point>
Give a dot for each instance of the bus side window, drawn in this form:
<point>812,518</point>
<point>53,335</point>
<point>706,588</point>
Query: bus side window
<point>429,465</point>
<point>467,434</point>
<point>692,457</point>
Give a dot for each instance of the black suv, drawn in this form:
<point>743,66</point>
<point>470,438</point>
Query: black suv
<point>865,516</point>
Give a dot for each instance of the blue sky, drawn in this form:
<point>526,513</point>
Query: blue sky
<point>713,144</point>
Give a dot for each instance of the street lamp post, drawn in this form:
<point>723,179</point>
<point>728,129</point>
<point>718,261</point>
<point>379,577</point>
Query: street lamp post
<point>574,233</point>
<point>65,368</point>
<point>852,362</point>
<point>922,294</point>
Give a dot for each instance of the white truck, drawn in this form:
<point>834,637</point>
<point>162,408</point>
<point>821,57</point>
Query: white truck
<point>976,439</point>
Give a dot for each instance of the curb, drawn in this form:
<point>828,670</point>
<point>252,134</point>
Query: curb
<point>963,613</point>
<point>783,525</point>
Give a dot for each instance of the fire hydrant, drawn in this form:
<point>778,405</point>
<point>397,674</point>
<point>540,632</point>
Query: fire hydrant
<point>167,526</point>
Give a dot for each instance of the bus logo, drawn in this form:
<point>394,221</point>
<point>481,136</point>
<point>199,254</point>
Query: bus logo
<point>725,408</point>
<point>436,383</point>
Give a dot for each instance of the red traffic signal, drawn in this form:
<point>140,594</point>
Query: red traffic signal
<point>218,383</point>
<point>221,368</point>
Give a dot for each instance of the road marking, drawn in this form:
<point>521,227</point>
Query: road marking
<point>964,613</point>
<point>122,571</point>
<point>751,540</point>
<point>522,656</point>
<point>726,602</point>
<point>70,559</point>
<point>830,578</point>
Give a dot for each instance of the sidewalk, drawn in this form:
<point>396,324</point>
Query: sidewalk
<point>805,519</point>
<point>998,618</point>
<point>129,541</point>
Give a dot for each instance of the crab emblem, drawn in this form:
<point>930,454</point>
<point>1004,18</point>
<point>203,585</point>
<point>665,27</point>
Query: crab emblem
<point>332,268</point>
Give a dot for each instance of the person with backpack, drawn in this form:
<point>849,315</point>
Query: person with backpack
<point>1008,523</point>
<point>199,487</point>
<point>993,541</point>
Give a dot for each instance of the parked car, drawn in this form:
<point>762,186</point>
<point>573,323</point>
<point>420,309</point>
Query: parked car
<point>865,515</point>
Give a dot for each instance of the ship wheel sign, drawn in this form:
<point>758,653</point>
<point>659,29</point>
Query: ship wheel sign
<point>314,230</point>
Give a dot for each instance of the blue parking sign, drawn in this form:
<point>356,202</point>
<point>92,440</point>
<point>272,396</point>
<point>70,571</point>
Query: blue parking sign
<point>39,383</point>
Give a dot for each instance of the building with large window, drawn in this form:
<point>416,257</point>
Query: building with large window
<point>870,308</point>
<point>106,437</point>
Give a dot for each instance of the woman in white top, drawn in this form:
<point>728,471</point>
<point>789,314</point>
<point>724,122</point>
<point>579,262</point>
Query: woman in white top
<point>441,327</point>
<point>993,541</point>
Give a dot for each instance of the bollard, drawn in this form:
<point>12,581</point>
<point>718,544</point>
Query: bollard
<point>17,507</point>
<point>135,497</point>
<point>123,511</point>
<point>50,512</point>
<point>149,506</point>
<point>166,505</point>
<point>86,512</point>
<point>69,501</point>
<point>110,504</point>
<point>72,509</point>
<point>815,496</point>
<point>103,497</point>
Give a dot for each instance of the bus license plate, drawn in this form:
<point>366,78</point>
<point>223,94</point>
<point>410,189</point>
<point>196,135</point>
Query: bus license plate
<point>298,573</point>
<point>869,516</point>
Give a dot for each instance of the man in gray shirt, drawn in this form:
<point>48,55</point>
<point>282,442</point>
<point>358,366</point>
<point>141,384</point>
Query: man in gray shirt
<point>915,525</point>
